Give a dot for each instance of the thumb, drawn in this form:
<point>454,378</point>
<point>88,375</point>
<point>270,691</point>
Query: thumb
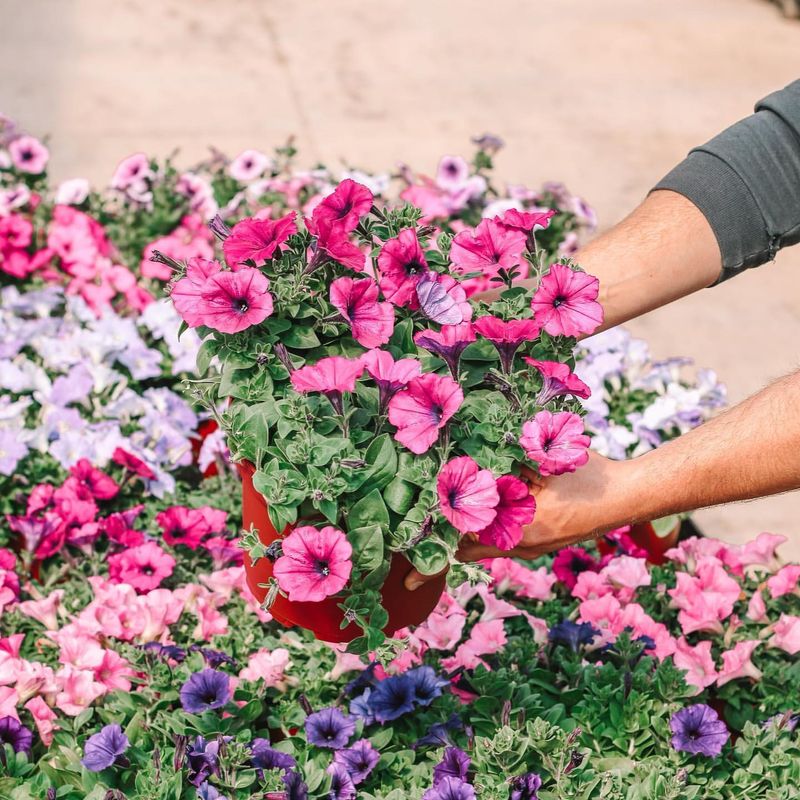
<point>415,579</point>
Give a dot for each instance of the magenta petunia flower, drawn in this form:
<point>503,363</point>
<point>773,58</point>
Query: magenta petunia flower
<point>516,508</point>
<point>448,344</point>
<point>343,208</point>
<point>315,563</point>
<point>334,242</point>
<point>181,525</point>
<point>331,376</point>
<point>422,409</point>
<point>443,299</point>
<point>233,301</point>
<point>402,264</point>
<point>507,336</point>
<point>468,495</point>
<point>557,380</point>
<point>143,567</point>
<point>556,442</point>
<point>565,304</point>
<point>526,220</point>
<point>186,292</point>
<point>372,323</point>
<point>257,240</point>
<point>132,463</point>
<point>570,562</point>
<point>491,246</point>
<point>100,485</point>
<point>390,375</point>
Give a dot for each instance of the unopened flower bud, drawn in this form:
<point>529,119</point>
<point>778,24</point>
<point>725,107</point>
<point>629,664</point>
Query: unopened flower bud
<point>575,760</point>
<point>219,228</point>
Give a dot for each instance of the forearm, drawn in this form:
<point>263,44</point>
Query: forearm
<point>752,450</point>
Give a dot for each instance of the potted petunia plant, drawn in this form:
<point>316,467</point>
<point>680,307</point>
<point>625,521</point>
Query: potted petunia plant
<point>376,414</point>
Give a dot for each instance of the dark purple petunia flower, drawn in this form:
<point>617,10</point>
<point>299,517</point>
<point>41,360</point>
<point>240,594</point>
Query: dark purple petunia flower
<point>524,787</point>
<point>359,760</point>
<point>448,344</point>
<point>342,786</point>
<point>203,760</point>
<point>392,697</point>
<point>265,757</point>
<point>208,792</point>
<point>438,734</point>
<point>214,658</point>
<point>329,728</point>
<point>450,789</point>
<point>13,732</point>
<point>165,651</point>
<point>572,634</point>
<point>427,684</point>
<point>296,789</point>
<point>205,690</point>
<point>698,730</point>
<point>103,748</point>
<point>364,679</point>
<point>454,764</point>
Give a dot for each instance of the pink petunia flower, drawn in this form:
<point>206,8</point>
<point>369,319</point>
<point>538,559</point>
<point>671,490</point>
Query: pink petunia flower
<point>45,610</point>
<point>570,562</point>
<point>443,299</point>
<point>706,598</point>
<point>132,463</point>
<point>43,717</point>
<point>786,634</point>
<point>557,380</point>
<point>331,376</point>
<point>233,301</point>
<point>79,690</point>
<point>269,666</point>
<point>697,661</point>
<point>507,336</point>
<point>448,344</point>
<point>565,304</point>
<point>315,563</point>
<point>143,567</point>
<point>186,292</point>
<point>257,240</point>
<point>131,171</point>
<point>511,576</point>
<point>626,574</point>
<point>784,581</point>
<point>388,374</point>
<point>485,638</point>
<point>736,663</point>
<point>334,242</point>
<point>371,322</point>
<point>28,154</point>
<point>761,551</point>
<point>527,221</point>
<point>757,608</point>
<point>114,672</point>
<point>100,485</point>
<point>181,525</point>
<point>468,495</point>
<point>401,264</point>
<point>422,409</point>
<point>249,165</point>
<point>487,249</point>
<point>556,442</point>
<point>343,208</point>
<point>515,509</point>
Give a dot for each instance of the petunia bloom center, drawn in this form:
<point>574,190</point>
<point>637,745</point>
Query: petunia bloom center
<point>240,305</point>
<point>322,567</point>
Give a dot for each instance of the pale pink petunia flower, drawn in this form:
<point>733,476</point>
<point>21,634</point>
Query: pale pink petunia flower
<point>9,700</point>
<point>565,303</point>
<point>78,690</point>
<point>511,576</point>
<point>589,584</point>
<point>422,409</point>
<point>487,249</point>
<point>114,672</point>
<point>761,551</point>
<point>786,634</point>
<point>515,509</point>
<point>43,717</point>
<point>28,154</point>
<point>626,572</point>
<point>257,240</point>
<point>495,607</point>
<point>371,321</point>
<point>401,265</point>
<point>468,495</point>
<point>452,172</point>
<point>131,171</point>
<point>706,598</point>
<point>249,165</point>
<point>736,663</point>
<point>756,607</point>
<point>45,610</point>
<point>32,678</point>
<point>700,669</point>
<point>72,192</point>
<point>269,666</point>
<point>557,442</point>
<point>315,563</point>
<point>234,301</point>
<point>784,581</point>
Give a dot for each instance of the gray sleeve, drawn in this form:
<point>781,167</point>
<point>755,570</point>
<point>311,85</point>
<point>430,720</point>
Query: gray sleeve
<point>746,181</point>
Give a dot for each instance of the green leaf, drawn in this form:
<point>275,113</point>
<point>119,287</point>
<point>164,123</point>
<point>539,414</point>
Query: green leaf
<point>400,495</point>
<point>403,337</point>
<point>381,456</point>
<point>330,508</point>
<point>429,556</point>
<point>301,337</point>
<point>206,352</point>
<point>368,511</point>
<point>368,546</point>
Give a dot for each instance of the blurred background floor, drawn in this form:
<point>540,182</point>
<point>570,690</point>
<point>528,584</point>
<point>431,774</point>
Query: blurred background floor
<point>605,96</point>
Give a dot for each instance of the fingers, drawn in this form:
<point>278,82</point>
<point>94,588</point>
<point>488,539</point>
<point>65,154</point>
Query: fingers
<point>415,579</point>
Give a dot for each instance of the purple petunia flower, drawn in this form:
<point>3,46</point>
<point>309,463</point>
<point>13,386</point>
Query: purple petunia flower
<point>329,728</point>
<point>438,734</point>
<point>296,788</point>
<point>359,760</point>
<point>342,786</point>
<point>698,729</point>
<point>205,690</point>
<point>454,764</point>
<point>13,732</point>
<point>214,658</point>
<point>524,787</point>
<point>360,707</point>
<point>450,789</point>
<point>572,634</point>
<point>427,685</point>
<point>203,760</point>
<point>265,757</point>
<point>103,748</point>
<point>165,651</point>
<point>208,792</point>
<point>392,697</point>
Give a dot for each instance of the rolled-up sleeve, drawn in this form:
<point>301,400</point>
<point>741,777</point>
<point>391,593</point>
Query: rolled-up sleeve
<point>746,182</point>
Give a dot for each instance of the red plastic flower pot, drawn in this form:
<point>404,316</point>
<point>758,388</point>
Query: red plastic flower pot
<point>644,534</point>
<point>324,619</point>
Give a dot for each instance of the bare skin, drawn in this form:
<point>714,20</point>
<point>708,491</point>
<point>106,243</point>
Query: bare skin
<point>663,251</point>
